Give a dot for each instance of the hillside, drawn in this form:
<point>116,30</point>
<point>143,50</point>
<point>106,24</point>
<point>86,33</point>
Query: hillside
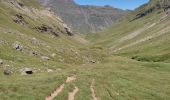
<point>30,33</point>
<point>143,35</point>
<point>42,59</point>
<point>84,19</point>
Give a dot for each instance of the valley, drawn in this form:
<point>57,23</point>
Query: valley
<point>41,58</point>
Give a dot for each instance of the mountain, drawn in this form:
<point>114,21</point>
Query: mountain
<point>30,33</point>
<point>84,19</point>
<point>153,5</point>
<point>41,59</point>
<point>143,34</point>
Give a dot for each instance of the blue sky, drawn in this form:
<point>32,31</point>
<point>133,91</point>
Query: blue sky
<point>123,4</point>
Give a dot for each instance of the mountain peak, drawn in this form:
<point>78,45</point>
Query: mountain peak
<point>85,18</point>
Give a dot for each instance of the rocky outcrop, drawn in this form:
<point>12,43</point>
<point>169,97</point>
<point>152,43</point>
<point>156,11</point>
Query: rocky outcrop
<point>152,6</point>
<point>45,29</point>
<point>68,31</point>
<point>19,19</point>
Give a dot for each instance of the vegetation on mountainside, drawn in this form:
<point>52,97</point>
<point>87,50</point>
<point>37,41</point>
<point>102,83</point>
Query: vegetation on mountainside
<point>145,39</point>
<point>128,61</point>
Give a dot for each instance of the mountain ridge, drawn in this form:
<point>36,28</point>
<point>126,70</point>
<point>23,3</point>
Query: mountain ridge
<point>84,18</point>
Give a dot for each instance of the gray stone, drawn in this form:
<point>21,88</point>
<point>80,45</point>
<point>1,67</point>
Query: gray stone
<point>49,70</point>
<point>45,58</point>
<point>7,72</point>
<point>26,71</point>
<point>35,41</point>
<point>33,53</point>
<point>1,62</point>
<point>92,61</point>
<point>17,46</point>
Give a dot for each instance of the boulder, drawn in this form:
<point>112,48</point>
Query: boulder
<point>1,62</point>
<point>7,72</point>
<point>92,61</point>
<point>26,71</point>
<point>49,70</point>
<point>17,46</point>
<point>45,58</point>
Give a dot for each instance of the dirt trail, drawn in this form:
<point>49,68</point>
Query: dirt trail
<point>93,91</point>
<point>55,93</point>
<point>70,79</point>
<point>60,89</point>
<point>72,94</point>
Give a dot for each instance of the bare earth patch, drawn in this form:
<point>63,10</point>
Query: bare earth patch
<point>59,90</point>
<point>93,91</point>
<point>55,93</point>
<point>70,79</point>
<point>71,95</point>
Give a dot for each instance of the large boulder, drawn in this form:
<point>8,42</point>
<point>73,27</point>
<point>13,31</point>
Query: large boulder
<point>26,71</point>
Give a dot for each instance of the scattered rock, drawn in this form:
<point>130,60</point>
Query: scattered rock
<point>1,62</point>
<point>45,58</point>
<point>49,70</point>
<point>53,55</point>
<point>17,46</point>
<point>35,41</point>
<point>33,53</point>
<point>7,72</point>
<point>26,71</point>
<point>45,29</point>
<point>92,61</point>
<point>20,4</point>
<point>61,60</point>
<point>19,19</point>
<point>68,31</point>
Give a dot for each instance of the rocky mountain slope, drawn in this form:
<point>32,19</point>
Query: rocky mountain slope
<point>30,33</point>
<point>84,19</point>
<point>153,5</point>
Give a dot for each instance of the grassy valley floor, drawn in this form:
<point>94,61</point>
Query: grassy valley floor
<point>116,78</point>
